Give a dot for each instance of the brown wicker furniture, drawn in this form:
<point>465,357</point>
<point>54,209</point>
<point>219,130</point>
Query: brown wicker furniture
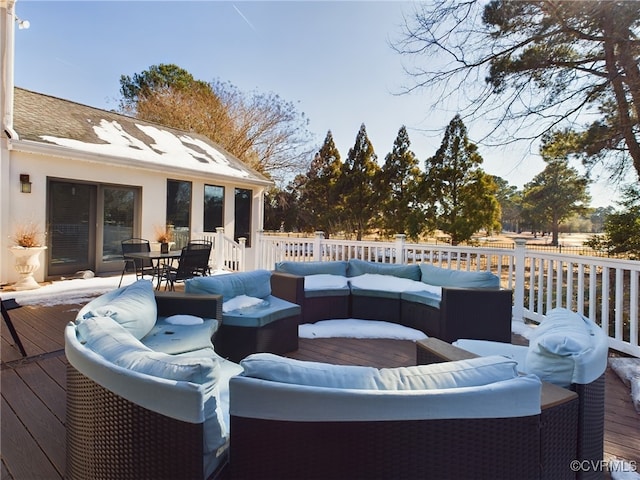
<point>460,312</point>
<point>124,425</point>
<point>268,447</point>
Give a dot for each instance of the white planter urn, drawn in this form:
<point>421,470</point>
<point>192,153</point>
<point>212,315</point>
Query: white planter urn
<point>27,263</point>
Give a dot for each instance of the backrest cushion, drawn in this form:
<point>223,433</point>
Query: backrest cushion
<point>360,267</point>
<point>445,277</point>
<point>134,307</point>
<point>567,348</point>
<point>463,373</point>
<point>256,283</point>
<point>303,269</point>
<point>106,337</point>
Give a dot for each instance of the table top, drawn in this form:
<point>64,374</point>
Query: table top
<point>154,255</point>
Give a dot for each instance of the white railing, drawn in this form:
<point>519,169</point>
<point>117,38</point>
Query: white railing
<point>226,254</point>
<point>605,290</point>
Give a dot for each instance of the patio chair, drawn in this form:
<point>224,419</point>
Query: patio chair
<point>7,305</point>
<point>141,267</point>
<point>193,262</point>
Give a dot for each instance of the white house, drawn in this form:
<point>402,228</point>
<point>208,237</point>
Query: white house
<point>91,178</point>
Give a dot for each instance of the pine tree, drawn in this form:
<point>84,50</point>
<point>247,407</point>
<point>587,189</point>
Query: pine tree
<point>357,186</point>
<point>319,197</point>
<point>460,192</point>
<point>400,180</point>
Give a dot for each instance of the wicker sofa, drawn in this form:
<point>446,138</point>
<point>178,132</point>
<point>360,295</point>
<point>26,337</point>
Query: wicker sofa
<point>447,421</point>
<point>443,303</point>
<point>136,412</point>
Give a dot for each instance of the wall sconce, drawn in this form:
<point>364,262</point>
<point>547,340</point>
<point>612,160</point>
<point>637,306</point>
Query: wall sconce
<point>25,184</point>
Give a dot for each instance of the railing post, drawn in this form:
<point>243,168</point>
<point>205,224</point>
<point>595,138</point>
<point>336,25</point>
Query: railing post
<point>401,239</point>
<point>220,248</point>
<point>242,241</point>
<point>317,246</point>
<point>518,294</point>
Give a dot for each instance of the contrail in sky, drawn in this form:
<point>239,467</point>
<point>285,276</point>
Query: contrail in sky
<point>244,18</point>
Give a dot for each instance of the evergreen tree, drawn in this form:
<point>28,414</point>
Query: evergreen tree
<point>357,186</point>
<point>622,229</point>
<point>558,192</point>
<point>319,202</point>
<point>462,195</point>
<point>400,180</point>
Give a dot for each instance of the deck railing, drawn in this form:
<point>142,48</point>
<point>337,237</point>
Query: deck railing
<point>605,290</point>
<point>226,254</point>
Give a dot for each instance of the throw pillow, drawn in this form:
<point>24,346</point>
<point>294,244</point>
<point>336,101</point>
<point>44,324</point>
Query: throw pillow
<point>134,307</point>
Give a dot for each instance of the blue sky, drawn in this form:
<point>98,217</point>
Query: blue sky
<point>331,58</point>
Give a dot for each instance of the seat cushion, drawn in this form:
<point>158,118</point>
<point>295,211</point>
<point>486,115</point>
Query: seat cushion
<point>303,269</point>
<point>463,373</point>
<point>272,309</point>
<point>173,339</point>
<point>360,267</point>
<point>445,277</point>
<point>567,348</point>
<point>256,283</point>
<point>424,297</point>
<point>386,286</point>
<point>134,307</point>
<point>326,285</point>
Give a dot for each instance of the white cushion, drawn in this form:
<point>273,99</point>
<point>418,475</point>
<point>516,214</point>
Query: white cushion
<point>325,281</point>
<point>389,283</point>
<point>241,301</point>
<point>463,373</point>
<point>567,348</point>
<point>134,307</point>
<point>184,320</point>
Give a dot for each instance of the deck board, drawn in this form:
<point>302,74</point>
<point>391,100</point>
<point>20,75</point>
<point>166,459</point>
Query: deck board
<point>33,395</point>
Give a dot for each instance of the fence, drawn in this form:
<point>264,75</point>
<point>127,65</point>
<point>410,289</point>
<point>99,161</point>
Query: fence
<point>604,289</point>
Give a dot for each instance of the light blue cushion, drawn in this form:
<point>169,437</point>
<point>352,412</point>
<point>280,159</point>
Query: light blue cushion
<point>445,277</point>
<point>109,339</point>
<point>134,307</point>
<point>170,338</point>
<point>462,373</point>
<point>272,309</point>
<point>360,267</point>
<point>567,348</point>
<point>256,283</point>
<point>313,268</point>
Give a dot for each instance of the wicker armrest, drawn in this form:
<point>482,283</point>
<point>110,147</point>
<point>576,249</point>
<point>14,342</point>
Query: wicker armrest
<point>287,287</point>
<point>179,303</point>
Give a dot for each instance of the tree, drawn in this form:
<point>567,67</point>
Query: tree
<point>557,193</point>
<point>510,200</point>
<point>401,178</point>
<point>545,64</point>
<point>357,186</point>
<point>263,130</point>
<point>622,229</point>
<point>319,202</point>
<point>463,196</point>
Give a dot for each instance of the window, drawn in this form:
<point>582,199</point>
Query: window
<point>213,207</point>
<point>243,214</point>
<point>179,211</point>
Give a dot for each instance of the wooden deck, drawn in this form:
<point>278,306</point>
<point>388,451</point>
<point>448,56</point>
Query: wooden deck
<point>33,391</point>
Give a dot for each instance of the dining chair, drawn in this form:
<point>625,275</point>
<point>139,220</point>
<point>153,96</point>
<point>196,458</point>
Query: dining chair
<point>141,267</point>
<point>202,245</point>
<point>193,262</point>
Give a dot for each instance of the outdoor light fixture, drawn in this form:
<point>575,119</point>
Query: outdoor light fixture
<point>25,184</point>
<point>22,24</point>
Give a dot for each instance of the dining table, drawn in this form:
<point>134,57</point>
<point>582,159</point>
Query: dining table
<point>158,259</point>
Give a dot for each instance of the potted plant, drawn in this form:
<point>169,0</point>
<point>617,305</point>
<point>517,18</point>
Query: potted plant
<point>28,245</point>
<point>164,236</point>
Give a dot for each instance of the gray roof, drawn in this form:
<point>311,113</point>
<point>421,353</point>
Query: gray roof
<point>55,121</point>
